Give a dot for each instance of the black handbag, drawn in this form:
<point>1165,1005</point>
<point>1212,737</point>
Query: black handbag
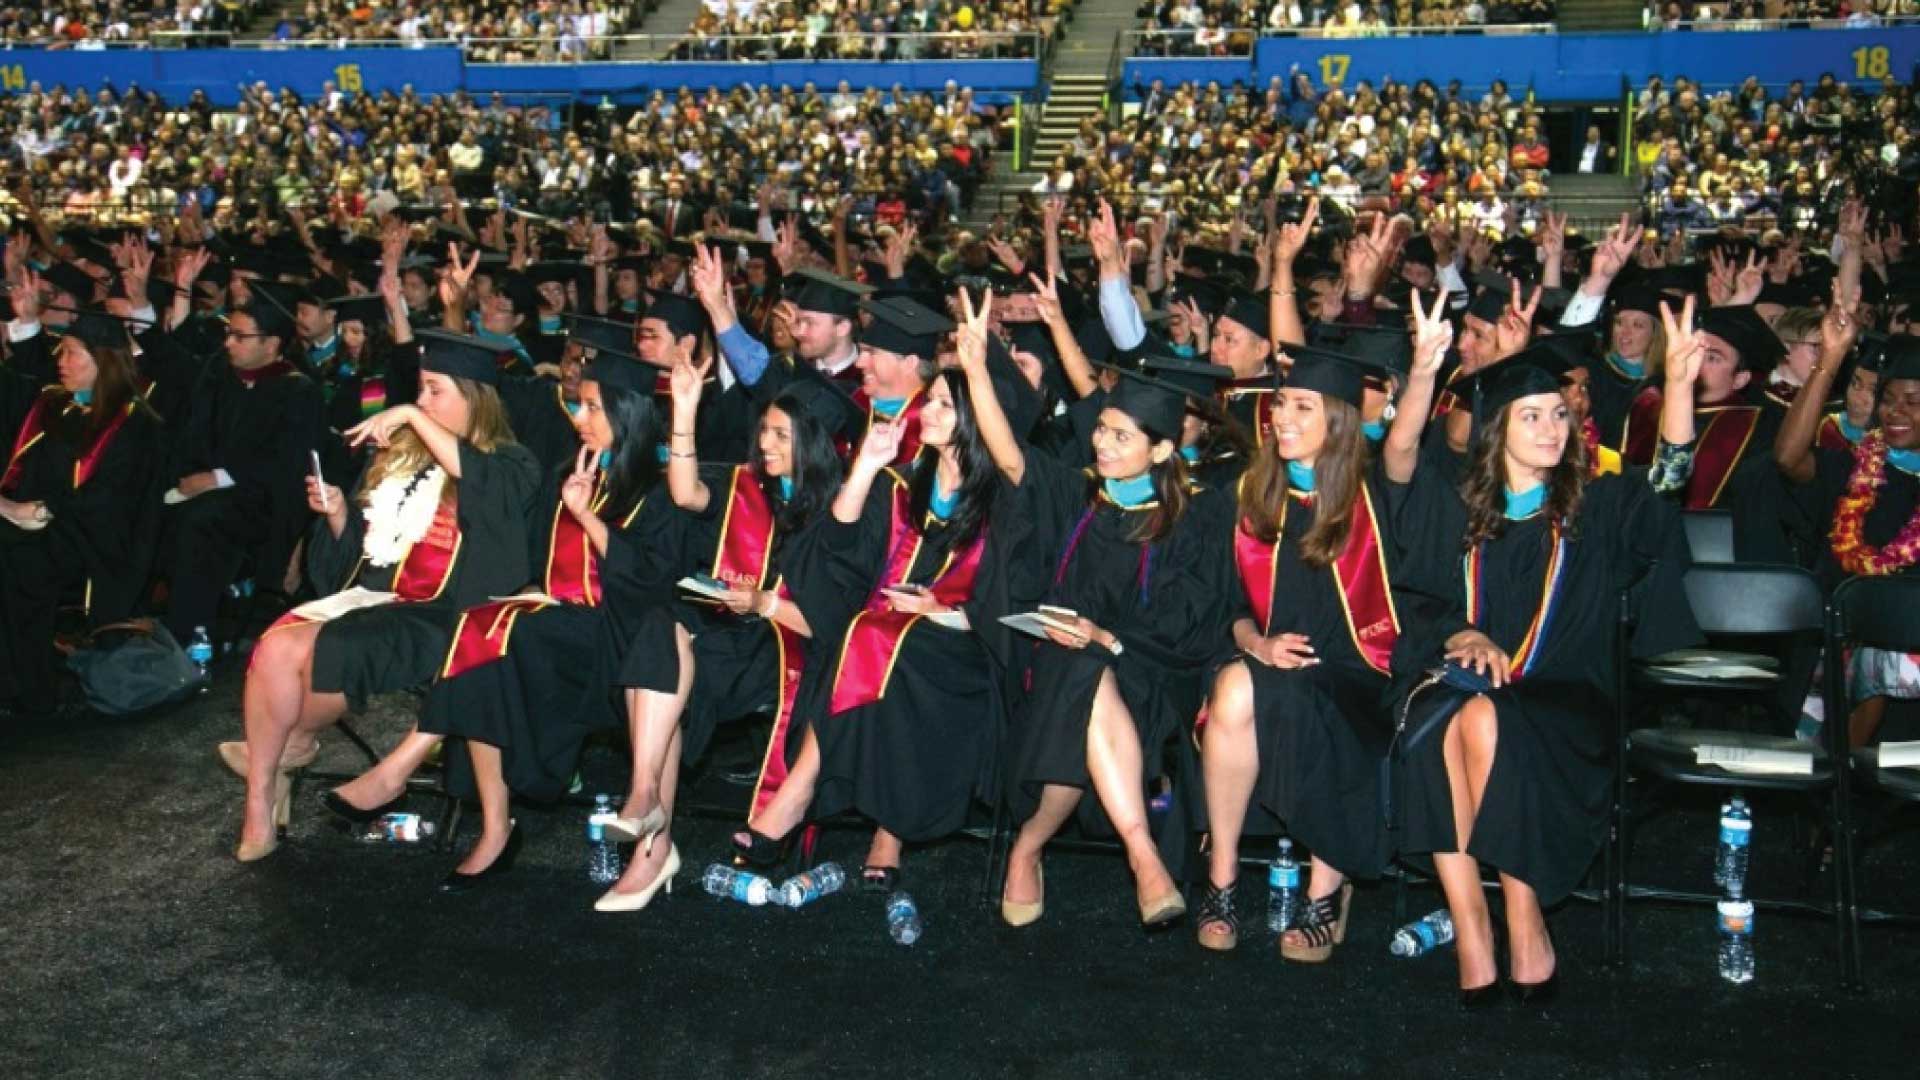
<point>132,667</point>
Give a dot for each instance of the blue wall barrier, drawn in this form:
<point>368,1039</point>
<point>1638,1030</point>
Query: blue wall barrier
<point>220,72</point>
<point>1562,67</point>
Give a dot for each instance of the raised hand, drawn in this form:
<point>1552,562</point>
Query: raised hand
<point>576,491</point>
<point>1515,328</point>
<point>1009,258</point>
<point>686,379</point>
<point>1615,250</point>
<point>1290,238</point>
<point>971,336</point>
<point>1719,279</point>
<point>1432,335</point>
<point>379,428</point>
<point>1366,255</point>
<point>1553,237</point>
<point>1046,300</point>
<point>709,274</point>
<point>187,267</point>
<point>1839,327</point>
<point>900,246</point>
<point>880,447</point>
<point>1104,235</point>
<point>1685,350</point>
<point>1750,280</point>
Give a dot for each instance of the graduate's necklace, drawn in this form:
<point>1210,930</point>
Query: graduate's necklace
<point>1850,547</point>
<point>400,511</point>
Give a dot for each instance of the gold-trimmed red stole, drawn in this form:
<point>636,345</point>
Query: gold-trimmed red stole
<point>1359,578</point>
<point>908,417</point>
<point>874,637</point>
<point>1831,436</point>
<point>1719,448</point>
<point>1260,390</point>
<point>745,552</point>
<point>791,655</point>
<point>1447,399</point>
<point>33,428</point>
<point>1641,434</point>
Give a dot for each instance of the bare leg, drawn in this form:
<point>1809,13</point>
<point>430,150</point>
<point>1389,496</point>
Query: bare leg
<point>653,721</point>
<point>1468,751</point>
<point>1229,758</point>
<point>1864,724</point>
<point>388,777</point>
<point>495,800</point>
<point>1324,880</point>
<point>646,865</point>
<point>1023,860</point>
<point>1530,950</point>
<point>276,703</point>
<point>1114,761</point>
<point>884,851</point>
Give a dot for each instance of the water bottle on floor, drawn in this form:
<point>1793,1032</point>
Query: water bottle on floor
<point>903,919</point>
<point>1423,935</point>
<point>1736,839</point>
<point>1736,936</point>
<point>802,889</point>
<point>730,884</point>
<point>603,858</point>
<point>397,827</point>
<point>1283,888</point>
<point>200,652</point>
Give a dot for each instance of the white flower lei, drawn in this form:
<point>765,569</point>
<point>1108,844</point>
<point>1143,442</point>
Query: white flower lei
<point>399,511</point>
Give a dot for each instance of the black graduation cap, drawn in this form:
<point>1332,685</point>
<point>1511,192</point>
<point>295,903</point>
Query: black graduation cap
<point>817,397</point>
<point>1386,348</point>
<point>367,309</point>
<point>554,270</point>
<point>1688,279</point>
<point>1636,297</point>
<point>1900,359</point>
<point>70,279</point>
<point>1489,304</point>
<point>1871,353</point>
<point>613,368</point>
<point>1073,256</point>
<point>1743,328</point>
<point>1574,344</point>
<point>636,263</point>
<point>1251,310</point>
<point>519,291</point>
<point>1199,381</point>
<point>459,356</point>
<point>604,337</point>
<point>258,261</point>
<point>1209,296</point>
<point>905,326</point>
<point>1216,263</point>
<point>1419,251</point>
<point>100,329</point>
<point>1338,375</point>
<point>272,319</point>
<point>825,293</point>
<point>683,315</point>
<point>1159,408</point>
<point>1536,369</point>
<point>85,247</point>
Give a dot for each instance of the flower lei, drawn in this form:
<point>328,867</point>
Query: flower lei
<point>1850,548</point>
<point>400,510</point>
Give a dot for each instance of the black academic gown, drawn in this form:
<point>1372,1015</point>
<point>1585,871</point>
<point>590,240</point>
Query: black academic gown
<point>262,436</point>
<point>537,409</point>
<point>736,658</point>
<point>554,684</point>
<point>397,645</point>
<point>1611,392</point>
<point>1162,601</point>
<point>1897,502</point>
<point>916,759</point>
<point>1544,814</point>
<point>97,543</point>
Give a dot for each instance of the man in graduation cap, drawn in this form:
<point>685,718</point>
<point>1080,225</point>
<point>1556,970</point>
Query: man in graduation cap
<point>239,470</point>
<point>1243,344</point>
<point>1733,430</point>
<point>825,323</point>
<point>899,354</point>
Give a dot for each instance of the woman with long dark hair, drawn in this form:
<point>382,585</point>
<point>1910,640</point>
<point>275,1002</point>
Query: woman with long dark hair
<point>1297,726</point>
<point>439,524</point>
<point>374,360</point>
<point>77,490</point>
<point>905,723</point>
<point>747,638</point>
<point>1506,743</point>
<point>1117,675</point>
<point>527,680</point>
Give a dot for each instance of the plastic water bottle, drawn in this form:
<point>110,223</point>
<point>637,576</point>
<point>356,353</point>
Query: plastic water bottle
<point>903,919</point>
<point>603,858</point>
<point>1736,936</point>
<point>802,889</point>
<point>1423,935</point>
<point>1736,839</point>
<point>1283,888</point>
<point>398,827</point>
<point>200,652</point>
<point>742,885</point>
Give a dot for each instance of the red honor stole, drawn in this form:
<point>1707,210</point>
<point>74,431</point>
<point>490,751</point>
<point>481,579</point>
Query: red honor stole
<point>573,577</point>
<point>744,559</point>
<point>1260,390</point>
<point>34,428</point>
<point>1830,437</point>
<point>424,570</point>
<point>909,416</point>
<point>1721,445</point>
<point>1446,400</point>
<point>1359,577</point>
<point>874,637</point>
<point>261,374</point>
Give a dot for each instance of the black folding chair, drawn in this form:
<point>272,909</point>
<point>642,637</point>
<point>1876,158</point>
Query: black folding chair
<point>1709,535</point>
<point>1876,613</point>
<point>1740,607</point>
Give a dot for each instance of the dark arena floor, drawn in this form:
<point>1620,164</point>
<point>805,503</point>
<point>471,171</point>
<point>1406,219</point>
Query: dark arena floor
<point>135,946</point>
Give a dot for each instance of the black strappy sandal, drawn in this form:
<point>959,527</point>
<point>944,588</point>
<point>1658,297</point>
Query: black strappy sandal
<point>879,879</point>
<point>1216,912</point>
<point>1324,924</point>
<point>762,852</point>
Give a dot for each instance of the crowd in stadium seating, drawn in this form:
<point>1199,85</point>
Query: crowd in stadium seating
<point>867,29</point>
<point>1748,157</point>
<point>1762,14</point>
<point>100,154</point>
<point>495,30</point>
<point>1229,27</point>
<point>96,24</point>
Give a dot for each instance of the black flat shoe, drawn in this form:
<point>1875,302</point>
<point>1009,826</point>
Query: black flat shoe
<point>1540,993</point>
<point>761,852</point>
<point>1480,998</point>
<point>456,882</point>
<point>879,879</point>
<point>352,814</point>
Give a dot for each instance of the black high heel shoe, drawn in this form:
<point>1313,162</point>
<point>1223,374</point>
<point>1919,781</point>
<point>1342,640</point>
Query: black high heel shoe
<point>1541,993</point>
<point>352,814</point>
<point>1478,998</point>
<point>762,852</point>
<point>456,882</point>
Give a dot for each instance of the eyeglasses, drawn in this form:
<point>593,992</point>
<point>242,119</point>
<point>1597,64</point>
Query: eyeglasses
<point>232,333</point>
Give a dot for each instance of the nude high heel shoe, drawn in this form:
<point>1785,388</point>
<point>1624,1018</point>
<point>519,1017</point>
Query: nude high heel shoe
<point>638,901</point>
<point>247,851</point>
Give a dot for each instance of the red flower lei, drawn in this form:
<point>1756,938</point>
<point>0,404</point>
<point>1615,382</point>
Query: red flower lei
<point>1855,555</point>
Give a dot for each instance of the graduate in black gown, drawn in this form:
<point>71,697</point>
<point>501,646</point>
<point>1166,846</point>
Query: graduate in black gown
<point>526,681</point>
<point>1867,495</point>
<point>438,524</point>
<point>699,662</point>
<point>374,360</point>
<point>1507,747</point>
<point>1128,542</point>
<point>1298,725</point>
<point>906,724</point>
<point>78,488</point>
